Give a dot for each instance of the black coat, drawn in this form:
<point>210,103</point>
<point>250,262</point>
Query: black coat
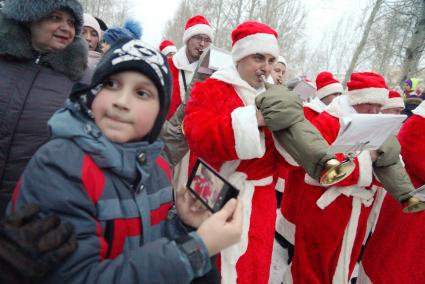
<point>32,88</point>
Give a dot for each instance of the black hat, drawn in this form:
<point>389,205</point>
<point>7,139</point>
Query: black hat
<point>131,55</point>
<point>29,11</point>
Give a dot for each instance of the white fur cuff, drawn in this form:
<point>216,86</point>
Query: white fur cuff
<point>249,142</point>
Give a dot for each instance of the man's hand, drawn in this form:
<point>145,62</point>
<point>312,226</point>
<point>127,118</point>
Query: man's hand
<point>30,247</point>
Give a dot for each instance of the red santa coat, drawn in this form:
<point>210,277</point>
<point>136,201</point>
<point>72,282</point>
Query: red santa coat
<point>221,127</point>
<point>398,239</point>
<point>178,64</point>
<point>331,222</point>
<point>313,109</point>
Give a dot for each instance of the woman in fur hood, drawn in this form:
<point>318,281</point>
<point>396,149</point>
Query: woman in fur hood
<point>41,57</point>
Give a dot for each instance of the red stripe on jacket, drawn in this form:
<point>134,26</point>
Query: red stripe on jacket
<point>94,184</point>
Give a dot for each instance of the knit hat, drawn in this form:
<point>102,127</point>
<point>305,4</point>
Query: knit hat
<point>367,87</point>
<point>253,37</point>
<point>197,25</point>
<point>412,82</point>
<point>394,100</point>
<point>90,21</point>
<point>29,11</point>
<point>327,85</point>
<point>133,55</point>
<point>166,47</point>
<point>130,30</point>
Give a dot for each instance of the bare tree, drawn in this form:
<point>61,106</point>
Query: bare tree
<point>416,46</point>
<point>363,41</point>
<point>113,12</point>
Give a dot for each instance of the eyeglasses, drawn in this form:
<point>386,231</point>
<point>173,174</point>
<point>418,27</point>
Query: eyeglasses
<point>201,38</point>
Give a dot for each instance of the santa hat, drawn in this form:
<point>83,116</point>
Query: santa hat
<point>197,25</point>
<point>90,21</point>
<point>394,100</point>
<point>327,85</point>
<point>166,47</point>
<point>282,60</point>
<point>367,88</point>
<point>253,37</point>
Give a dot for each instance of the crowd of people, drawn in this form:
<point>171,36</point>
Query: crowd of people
<point>99,132</point>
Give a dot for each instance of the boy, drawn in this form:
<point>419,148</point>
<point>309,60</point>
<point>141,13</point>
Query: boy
<point>102,172</point>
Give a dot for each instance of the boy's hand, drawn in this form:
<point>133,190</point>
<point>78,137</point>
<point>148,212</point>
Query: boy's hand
<point>191,211</point>
<point>223,228</point>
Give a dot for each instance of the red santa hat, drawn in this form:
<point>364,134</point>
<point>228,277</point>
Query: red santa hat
<point>327,85</point>
<point>394,100</point>
<point>367,88</point>
<point>166,47</point>
<point>197,25</point>
<point>254,37</point>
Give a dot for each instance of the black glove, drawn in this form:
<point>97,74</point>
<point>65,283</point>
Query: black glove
<point>30,247</point>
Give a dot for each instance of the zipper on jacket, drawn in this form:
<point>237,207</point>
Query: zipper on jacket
<point>37,60</point>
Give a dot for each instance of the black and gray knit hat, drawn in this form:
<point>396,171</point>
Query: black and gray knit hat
<point>29,11</point>
<point>131,55</point>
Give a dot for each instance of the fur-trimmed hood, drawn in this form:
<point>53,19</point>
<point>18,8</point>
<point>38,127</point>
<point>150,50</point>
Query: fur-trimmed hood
<point>15,44</point>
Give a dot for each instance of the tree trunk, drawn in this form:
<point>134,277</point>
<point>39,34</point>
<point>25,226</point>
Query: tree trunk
<point>363,41</point>
<point>416,47</point>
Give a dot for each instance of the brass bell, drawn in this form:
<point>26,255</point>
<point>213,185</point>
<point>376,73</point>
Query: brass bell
<point>335,171</point>
<point>414,204</point>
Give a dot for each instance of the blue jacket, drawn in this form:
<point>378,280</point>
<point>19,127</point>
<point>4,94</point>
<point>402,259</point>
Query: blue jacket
<point>119,199</point>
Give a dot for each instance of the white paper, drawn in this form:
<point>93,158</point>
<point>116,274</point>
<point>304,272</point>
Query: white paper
<point>219,58</point>
<point>369,130</point>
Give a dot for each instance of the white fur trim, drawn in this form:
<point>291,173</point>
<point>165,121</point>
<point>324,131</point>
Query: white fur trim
<point>230,255</point>
<point>287,277</point>
<point>280,185</point>
<point>288,158</point>
<point>330,89</point>
<point>363,278</point>
<point>316,104</point>
<point>340,107</point>
<point>420,110</point>
<point>368,96</point>
<point>256,43</point>
<point>249,141</point>
<point>311,181</point>
<point>282,60</point>
<point>199,29</point>
<point>393,103</point>
<point>372,220</point>
<point>365,169</point>
<point>285,228</point>
<point>168,49</point>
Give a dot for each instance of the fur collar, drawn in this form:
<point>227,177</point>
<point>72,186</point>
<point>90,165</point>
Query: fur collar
<point>15,43</point>
<point>181,62</point>
<point>420,110</point>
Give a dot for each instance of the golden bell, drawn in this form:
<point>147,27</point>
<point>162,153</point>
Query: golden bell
<point>414,204</point>
<point>335,171</point>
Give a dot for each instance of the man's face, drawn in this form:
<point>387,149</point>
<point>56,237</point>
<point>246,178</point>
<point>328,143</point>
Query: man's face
<point>196,45</point>
<point>253,67</point>
<point>328,99</point>
<point>278,72</point>
<point>368,108</point>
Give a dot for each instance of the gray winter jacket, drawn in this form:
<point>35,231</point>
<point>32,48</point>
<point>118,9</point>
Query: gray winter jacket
<point>118,198</point>
<point>30,93</point>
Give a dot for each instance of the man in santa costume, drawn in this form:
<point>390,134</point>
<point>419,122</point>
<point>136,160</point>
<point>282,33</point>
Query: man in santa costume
<point>328,88</point>
<point>398,237</point>
<point>198,35</point>
<point>167,48</point>
<point>330,223</point>
<point>223,126</point>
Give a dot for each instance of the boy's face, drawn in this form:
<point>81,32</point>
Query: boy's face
<point>252,67</point>
<point>278,72</point>
<point>126,108</point>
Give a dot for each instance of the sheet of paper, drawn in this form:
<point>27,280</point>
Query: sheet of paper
<point>305,90</point>
<point>219,58</point>
<point>369,130</point>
